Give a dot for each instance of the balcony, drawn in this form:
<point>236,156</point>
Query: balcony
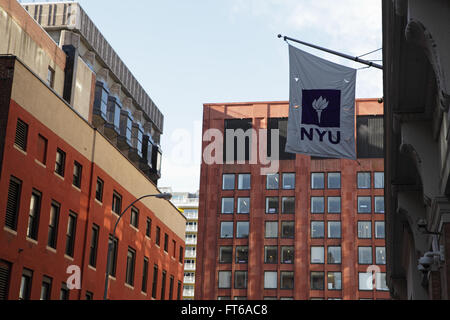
<point>190,254</point>
<point>190,228</point>
<point>191,215</point>
<point>188,292</point>
<point>189,266</point>
<point>189,280</point>
<point>191,240</point>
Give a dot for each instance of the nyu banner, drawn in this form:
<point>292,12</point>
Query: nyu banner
<point>321,107</point>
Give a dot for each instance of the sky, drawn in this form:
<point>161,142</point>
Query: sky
<point>186,53</point>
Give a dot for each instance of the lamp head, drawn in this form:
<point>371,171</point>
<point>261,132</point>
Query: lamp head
<point>165,195</point>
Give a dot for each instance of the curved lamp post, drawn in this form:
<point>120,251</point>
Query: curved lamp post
<point>166,196</point>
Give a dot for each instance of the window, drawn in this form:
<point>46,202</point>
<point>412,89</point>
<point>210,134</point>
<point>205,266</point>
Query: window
<point>288,205</point>
<point>378,178</point>
<point>379,204</point>
<point>317,205</point>
<point>334,180</point>
<point>181,255</point>
<point>272,205</point>
<point>334,280</point>
<point>317,180</point>
<point>113,241</point>
<point>379,230</point>
<point>317,255</point>
<point>33,217</point>
<point>46,288</point>
<point>64,292</point>
<point>237,140</point>
<point>174,246</point>
<point>242,229</point>
<point>166,242</point>
<point>244,181</point>
<point>131,260</point>
<point>365,255</point>
<point>317,280</point>
<point>270,279</point>
<point>288,181</point>
<point>25,284</point>
<point>380,281</point>
<point>270,254</point>
<point>363,180</point>
<point>99,190</point>
<point>364,205</point>
<point>134,217</point>
<point>226,229</point>
<point>240,279</point>
<point>228,181</point>
<point>243,205</point>
<point>89,295</point>
<point>242,254</point>
<point>224,279</point>
<point>60,162</point>
<point>70,235</point>
<point>5,275</point>
<point>148,227</point>
<point>281,125</point>
<point>317,229</point>
<point>77,171</point>
<point>334,255</point>
<point>272,181</point>
<point>226,254</point>
<point>158,236</point>
<point>53,225</point>
<point>227,205</point>
<point>380,255</point>
<point>41,149</point>
<point>287,254</point>
<point>21,135</point>
<point>364,229</point>
<point>171,287</point>
<point>12,206</point>
<point>287,229</point>
<point>334,229</point>
<point>287,280</point>
<point>370,136</point>
<point>334,204</point>
<point>93,246</point>
<point>179,290</point>
<point>155,281</point>
<point>51,77</point>
<point>365,281</point>
<point>116,203</point>
<point>271,230</point>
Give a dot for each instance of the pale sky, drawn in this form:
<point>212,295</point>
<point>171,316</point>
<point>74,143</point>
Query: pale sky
<point>189,52</point>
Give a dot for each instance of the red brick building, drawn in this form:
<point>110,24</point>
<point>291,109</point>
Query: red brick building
<point>64,178</point>
<point>313,230</point>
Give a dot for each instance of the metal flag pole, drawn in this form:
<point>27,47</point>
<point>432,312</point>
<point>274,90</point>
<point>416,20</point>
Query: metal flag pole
<point>343,55</point>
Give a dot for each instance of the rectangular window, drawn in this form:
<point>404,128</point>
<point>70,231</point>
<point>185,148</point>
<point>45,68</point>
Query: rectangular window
<point>46,288</point>
<point>281,125</point>
<point>334,281</point>
<point>370,140</point>
<point>89,295</point>
<point>64,292</point>
<point>364,229</point>
<point>114,242</point>
<point>99,190</point>
<point>365,281</point>
<point>317,280</point>
<point>228,181</point>
<point>171,287</point>
<point>60,163</point>
<point>288,205</point>
<point>317,255</point>
<point>21,135</point>
<point>134,217</point>
<point>116,203</point>
<point>270,254</point>
<point>334,180</point>
<point>158,236</point>
<point>226,229</point>
<point>242,254</point>
<point>271,230</point>
<point>33,217</point>
<point>25,284</point>
<point>181,255</point>
<point>365,255</point>
<point>174,246</point>
<point>155,281</point>
<point>270,279</point>
<point>287,229</point>
<point>227,205</point>
<point>272,181</point>
<point>179,290</point>
<point>243,205</point>
<point>379,230</point>
<point>378,180</point>
<point>288,181</point>
<point>363,180</point>
<point>5,278</point>
<point>272,205</point>
<point>317,205</point>
<point>380,281</point>
<point>77,173</point>
<point>244,181</point>
<point>380,255</point>
<point>334,255</point>
<point>242,229</point>
<point>70,235</point>
<point>237,140</point>
<point>334,204</point>
<point>287,254</point>
<point>131,261</point>
<point>166,242</point>
<point>224,279</point>
<point>317,180</point>
<point>93,246</point>
<point>148,227</point>
<point>41,149</point>
<point>317,229</point>
<point>334,229</point>
<point>379,204</point>
<point>364,205</point>
<point>12,205</point>
<point>240,279</point>
<point>53,225</point>
<point>287,280</point>
<point>51,77</point>
<point>225,254</point>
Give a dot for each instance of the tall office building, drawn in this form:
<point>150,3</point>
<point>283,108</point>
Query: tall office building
<point>314,229</point>
<point>78,144</point>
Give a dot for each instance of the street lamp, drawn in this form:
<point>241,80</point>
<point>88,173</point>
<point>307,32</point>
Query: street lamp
<point>166,196</point>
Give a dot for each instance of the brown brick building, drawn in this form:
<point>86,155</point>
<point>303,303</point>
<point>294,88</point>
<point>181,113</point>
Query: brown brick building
<point>313,230</point>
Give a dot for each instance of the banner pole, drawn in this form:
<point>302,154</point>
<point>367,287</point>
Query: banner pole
<point>343,55</point>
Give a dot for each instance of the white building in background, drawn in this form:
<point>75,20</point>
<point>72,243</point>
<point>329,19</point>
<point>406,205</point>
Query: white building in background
<point>187,203</point>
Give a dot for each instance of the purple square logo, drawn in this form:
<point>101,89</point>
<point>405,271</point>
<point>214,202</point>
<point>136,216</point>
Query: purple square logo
<point>322,108</point>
